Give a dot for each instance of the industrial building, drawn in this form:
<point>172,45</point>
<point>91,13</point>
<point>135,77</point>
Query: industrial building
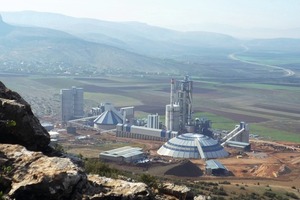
<point>153,121</point>
<point>145,133</point>
<point>191,145</point>
<point>71,103</point>
<point>179,111</point>
<point>239,134</point>
<point>214,167</point>
<point>108,120</point>
<point>124,154</point>
<point>128,114</point>
<point>239,145</point>
<point>48,126</point>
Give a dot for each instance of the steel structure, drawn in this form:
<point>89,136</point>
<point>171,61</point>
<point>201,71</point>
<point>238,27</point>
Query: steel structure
<point>179,111</point>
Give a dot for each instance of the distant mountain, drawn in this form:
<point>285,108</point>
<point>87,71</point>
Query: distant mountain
<point>131,36</point>
<point>288,45</point>
<point>53,43</point>
<point>42,50</point>
<point>243,33</point>
<point>4,28</point>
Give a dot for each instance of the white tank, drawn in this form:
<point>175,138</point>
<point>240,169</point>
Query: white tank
<point>175,113</point>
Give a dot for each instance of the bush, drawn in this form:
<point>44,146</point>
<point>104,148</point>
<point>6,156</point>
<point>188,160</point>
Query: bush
<point>97,167</point>
<point>292,195</point>
<point>270,194</point>
<point>149,180</point>
<point>224,182</point>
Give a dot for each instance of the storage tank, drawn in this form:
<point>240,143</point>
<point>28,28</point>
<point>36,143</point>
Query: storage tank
<point>175,117</point>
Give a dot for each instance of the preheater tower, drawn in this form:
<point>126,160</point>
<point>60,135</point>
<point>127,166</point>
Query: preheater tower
<point>184,98</point>
<point>179,111</point>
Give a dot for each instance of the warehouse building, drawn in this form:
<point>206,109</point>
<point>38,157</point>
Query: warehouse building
<point>191,145</point>
<point>126,154</point>
<point>239,145</point>
<point>144,133</point>
<point>214,167</point>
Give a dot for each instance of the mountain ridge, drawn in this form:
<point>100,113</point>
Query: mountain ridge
<point>39,49</point>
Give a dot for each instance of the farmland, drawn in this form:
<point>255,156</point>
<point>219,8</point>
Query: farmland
<point>272,110</point>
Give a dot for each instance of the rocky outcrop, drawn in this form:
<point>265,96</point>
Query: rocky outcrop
<point>27,130</point>
<point>102,187</point>
<point>179,191</point>
<point>33,175</point>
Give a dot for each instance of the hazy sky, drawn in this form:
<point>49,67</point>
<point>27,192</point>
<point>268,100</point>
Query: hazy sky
<point>173,13</point>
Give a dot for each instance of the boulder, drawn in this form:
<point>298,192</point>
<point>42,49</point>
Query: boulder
<point>26,130</point>
<point>32,175</point>
<point>102,188</point>
<point>179,191</point>
<point>35,176</point>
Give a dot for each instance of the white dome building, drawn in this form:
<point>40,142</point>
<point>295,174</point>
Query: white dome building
<point>108,120</point>
<point>190,145</point>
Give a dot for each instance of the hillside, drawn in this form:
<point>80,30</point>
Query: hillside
<point>132,36</point>
<point>42,50</point>
<point>58,44</point>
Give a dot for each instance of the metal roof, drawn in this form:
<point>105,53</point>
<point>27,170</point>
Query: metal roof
<point>191,145</point>
<point>243,144</point>
<point>125,152</point>
<point>108,117</point>
<point>214,164</point>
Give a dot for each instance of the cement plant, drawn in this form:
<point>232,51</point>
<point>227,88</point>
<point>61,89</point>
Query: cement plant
<point>172,147</point>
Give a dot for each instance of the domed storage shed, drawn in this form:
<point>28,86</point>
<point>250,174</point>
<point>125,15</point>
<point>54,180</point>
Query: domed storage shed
<point>190,145</point>
<point>107,120</point>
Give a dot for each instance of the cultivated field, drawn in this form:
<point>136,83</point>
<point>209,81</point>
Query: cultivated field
<point>272,110</point>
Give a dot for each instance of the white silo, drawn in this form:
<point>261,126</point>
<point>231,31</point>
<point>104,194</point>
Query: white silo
<point>153,121</point>
<point>172,117</point>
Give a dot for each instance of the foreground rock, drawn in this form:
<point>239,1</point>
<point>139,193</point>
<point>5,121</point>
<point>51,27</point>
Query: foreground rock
<point>179,191</point>
<point>32,175</point>
<point>27,130</point>
<point>103,187</point>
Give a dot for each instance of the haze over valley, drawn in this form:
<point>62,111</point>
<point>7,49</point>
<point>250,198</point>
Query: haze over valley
<point>171,87</point>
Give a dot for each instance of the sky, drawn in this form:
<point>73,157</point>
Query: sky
<point>175,14</point>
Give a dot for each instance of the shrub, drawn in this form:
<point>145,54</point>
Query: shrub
<point>149,180</point>
<point>292,195</point>
<point>224,182</point>
<point>270,194</point>
<point>97,167</point>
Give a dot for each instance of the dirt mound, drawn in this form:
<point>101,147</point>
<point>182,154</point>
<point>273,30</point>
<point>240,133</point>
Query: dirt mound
<point>185,169</point>
<point>270,170</point>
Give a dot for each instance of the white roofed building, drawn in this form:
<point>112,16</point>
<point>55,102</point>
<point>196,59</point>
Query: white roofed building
<point>108,120</point>
<point>190,145</point>
<point>124,154</point>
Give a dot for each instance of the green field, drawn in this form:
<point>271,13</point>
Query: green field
<point>271,110</point>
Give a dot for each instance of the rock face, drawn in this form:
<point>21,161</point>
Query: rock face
<point>33,175</point>
<point>27,131</point>
<point>103,187</point>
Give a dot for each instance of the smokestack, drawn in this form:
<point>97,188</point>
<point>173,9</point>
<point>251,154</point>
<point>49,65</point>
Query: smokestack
<point>172,105</point>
